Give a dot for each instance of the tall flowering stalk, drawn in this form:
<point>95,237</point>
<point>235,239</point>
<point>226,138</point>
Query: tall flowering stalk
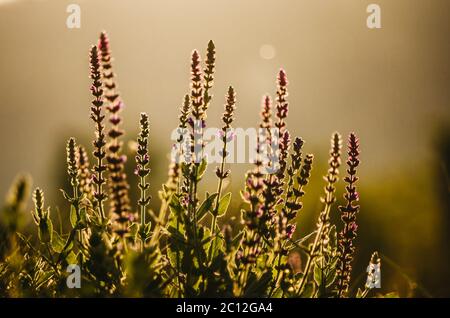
<point>275,189</point>
<point>330,189</point>
<point>179,158</point>
<point>196,122</point>
<point>348,216</point>
<point>323,224</point>
<point>221,173</point>
<point>177,186</point>
<point>266,124</point>
<point>72,168</point>
<point>279,146</point>
<point>254,223</point>
<point>282,109</point>
<point>275,180</point>
<point>198,111</point>
<point>76,198</point>
<point>184,117</point>
<point>266,113</point>
<point>120,201</point>
<point>85,175</point>
<point>173,183</point>
<point>257,194</point>
<point>173,180</point>
<point>41,217</point>
<point>282,104</point>
<point>18,193</point>
<point>194,159</point>
<point>73,172</point>
<point>16,201</point>
<point>208,74</point>
<point>142,170</point>
<point>298,178</point>
<point>99,142</point>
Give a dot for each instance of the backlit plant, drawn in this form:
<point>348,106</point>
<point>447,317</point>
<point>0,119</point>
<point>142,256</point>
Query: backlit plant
<point>187,248</point>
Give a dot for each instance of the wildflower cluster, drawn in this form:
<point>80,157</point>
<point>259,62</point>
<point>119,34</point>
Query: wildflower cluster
<point>189,245</point>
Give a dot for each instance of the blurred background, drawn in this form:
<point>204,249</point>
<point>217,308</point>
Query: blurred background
<point>389,85</point>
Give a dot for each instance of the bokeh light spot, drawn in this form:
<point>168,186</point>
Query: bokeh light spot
<point>267,51</point>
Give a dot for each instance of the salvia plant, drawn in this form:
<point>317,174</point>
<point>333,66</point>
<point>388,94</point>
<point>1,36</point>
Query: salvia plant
<point>186,248</point>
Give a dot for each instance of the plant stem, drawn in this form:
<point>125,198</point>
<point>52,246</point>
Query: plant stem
<point>194,207</point>
<point>99,190</point>
<point>178,263</point>
<point>143,198</point>
<point>55,267</point>
<point>278,270</point>
<point>159,222</point>
<point>313,249</point>
<point>219,194</point>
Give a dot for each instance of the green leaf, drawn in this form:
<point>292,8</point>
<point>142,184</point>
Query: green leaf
<point>174,260</point>
<point>258,286</point>
<point>22,237</point>
<point>359,293</point>
<point>331,277</point>
<point>147,229</point>
<point>71,258</point>
<point>175,206</point>
<point>208,238</point>
<point>206,206</point>
<point>166,189</point>
<point>333,236</point>
<point>324,277</point>
<point>237,239</point>
<point>45,232</point>
<point>133,230</point>
<point>201,169</point>
<point>176,235</point>
<point>83,216</point>
<point>73,216</point>
<point>57,242</point>
<point>176,223</point>
<point>318,275</point>
<point>308,290</point>
<point>278,293</point>
<point>223,204</point>
<point>218,244</point>
<point>333,262</point>
<point>66,195</point>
